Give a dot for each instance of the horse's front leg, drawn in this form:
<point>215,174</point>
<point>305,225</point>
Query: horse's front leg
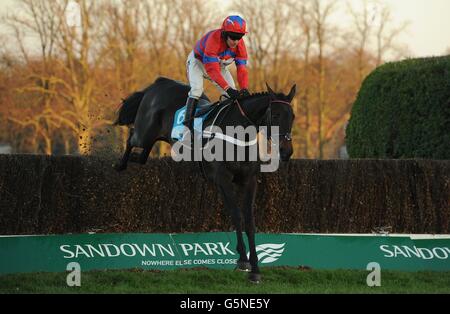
<point>249,216</point>
<point>225,185</point>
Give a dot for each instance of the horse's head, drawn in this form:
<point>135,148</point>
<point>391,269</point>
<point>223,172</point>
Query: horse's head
<point>282,115</point>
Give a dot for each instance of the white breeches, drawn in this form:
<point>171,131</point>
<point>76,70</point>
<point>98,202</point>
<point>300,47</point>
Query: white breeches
<point>196,73</point>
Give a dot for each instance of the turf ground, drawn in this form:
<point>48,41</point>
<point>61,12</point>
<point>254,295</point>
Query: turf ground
<point>201,281</point>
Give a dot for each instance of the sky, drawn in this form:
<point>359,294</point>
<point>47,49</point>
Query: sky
<point>428,32</point>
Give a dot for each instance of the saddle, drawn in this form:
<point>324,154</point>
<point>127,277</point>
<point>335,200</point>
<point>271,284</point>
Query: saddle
<point>203,109</point>
<point>204,106</point>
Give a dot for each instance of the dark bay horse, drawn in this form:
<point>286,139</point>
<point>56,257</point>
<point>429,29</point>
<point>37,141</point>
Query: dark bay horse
<point>152,113</point>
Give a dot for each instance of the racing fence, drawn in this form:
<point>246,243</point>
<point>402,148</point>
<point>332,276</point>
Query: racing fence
<point>72,194</point>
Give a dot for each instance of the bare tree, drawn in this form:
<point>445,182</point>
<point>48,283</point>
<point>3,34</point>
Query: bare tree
<point>304,38</point>
<point>122,45</point>
<point>79,63</point>
<point>36,19</point>
<point>386,34</point>
<point>321,11</point>
<point>159,33</point>
<point>193,18</point>
<point>75,62</point>
<point>124,41</point>
<point>270,41</point>
<point>375,34</point>
<point>363,23</point>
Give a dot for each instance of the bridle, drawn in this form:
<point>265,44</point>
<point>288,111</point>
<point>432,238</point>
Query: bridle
<point>268,116</point>
<point>286,136</point>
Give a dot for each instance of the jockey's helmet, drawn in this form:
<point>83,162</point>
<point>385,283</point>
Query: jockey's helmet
<point>234,24</point>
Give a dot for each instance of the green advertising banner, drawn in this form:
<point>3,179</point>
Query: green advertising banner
<point>21,254</point>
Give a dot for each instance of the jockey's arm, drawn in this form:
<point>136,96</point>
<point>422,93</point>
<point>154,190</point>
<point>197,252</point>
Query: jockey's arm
<point>211,60</point>
<point>212,68</point>
<point>241,65</point>
<point>242,73</point>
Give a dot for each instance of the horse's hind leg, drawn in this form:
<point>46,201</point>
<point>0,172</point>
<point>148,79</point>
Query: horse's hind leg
<point>122,165</point>
<point>147,149</point>
<point>151,138</point>
<point>143,156</point>
<point>140,158</point>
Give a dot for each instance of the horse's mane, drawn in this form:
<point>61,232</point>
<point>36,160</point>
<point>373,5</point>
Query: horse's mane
<point>260,94</point>
<point>165,80</point>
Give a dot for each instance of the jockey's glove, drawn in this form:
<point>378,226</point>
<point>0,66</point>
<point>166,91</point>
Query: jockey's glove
<point>234,94</point>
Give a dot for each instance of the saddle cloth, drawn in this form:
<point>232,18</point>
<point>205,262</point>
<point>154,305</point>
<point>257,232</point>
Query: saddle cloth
<point>202,111</point>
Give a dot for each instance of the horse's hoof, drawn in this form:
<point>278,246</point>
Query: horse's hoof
<point>243,266</point>
<point>254,278</point>
<point>120,167</point>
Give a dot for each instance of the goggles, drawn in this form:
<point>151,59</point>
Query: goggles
<point>235,36</point>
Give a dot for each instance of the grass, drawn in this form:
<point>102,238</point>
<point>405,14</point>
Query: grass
<point>201,281</point>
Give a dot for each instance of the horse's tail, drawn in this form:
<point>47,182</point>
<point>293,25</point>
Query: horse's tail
<point>128,109</point>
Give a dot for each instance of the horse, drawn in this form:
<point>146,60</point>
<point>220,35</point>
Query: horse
<point>152,112</point>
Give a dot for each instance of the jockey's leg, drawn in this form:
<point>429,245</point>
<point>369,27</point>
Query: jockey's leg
<point>195,73</point>
<point>191,103</point>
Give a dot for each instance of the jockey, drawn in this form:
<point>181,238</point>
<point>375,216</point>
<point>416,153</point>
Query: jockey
<point>210,58</point>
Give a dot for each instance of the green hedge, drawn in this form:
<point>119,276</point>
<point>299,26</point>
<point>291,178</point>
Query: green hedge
<point>53,195</point>
<point>403,111</point>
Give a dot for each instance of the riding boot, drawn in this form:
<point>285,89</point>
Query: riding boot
<point>189,115</point>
